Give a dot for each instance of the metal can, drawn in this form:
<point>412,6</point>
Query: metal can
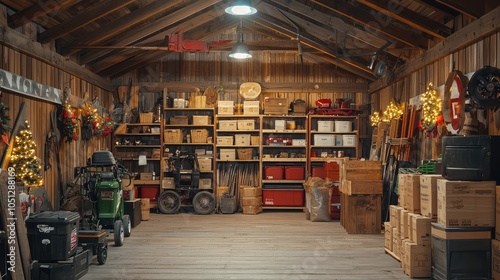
<point>340,154</point>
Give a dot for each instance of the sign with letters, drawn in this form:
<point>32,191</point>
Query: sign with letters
<point>25,86</point>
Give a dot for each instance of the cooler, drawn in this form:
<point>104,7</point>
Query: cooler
<point>53,235</point>
<point>294,173</point>
<point>274,172</point>
<point>283,196</point>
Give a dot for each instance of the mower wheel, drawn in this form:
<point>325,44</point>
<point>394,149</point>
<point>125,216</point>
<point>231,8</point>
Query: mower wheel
<point>102,254</point>
<point>204,203</point>
<point>119,234</point>
<point>169,202</point>
<point>127,225</point>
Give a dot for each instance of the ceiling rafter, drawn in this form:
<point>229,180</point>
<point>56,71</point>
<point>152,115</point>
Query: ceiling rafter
<point>474,9</point>
<point>37,11</point>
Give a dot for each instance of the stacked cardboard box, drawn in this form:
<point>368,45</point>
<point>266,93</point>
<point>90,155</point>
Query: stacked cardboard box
<point>251,200</point>
<point>361,190</point>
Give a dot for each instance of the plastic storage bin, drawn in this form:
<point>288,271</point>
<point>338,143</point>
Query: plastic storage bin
<point>53,235</point>
<point>294,173</point>
<point>274,172</point>
<point>283,196</point>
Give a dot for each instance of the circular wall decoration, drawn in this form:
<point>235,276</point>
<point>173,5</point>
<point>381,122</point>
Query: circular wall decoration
<point>250,90</point>
<point>454,100</point>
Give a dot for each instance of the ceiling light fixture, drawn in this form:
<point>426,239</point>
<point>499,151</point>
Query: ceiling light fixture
<point>372,61</point>
<point>241,8</point>
<point>240,50</point>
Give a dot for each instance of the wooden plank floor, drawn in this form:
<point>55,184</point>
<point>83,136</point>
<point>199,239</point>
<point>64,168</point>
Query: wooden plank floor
<point>271,245</point>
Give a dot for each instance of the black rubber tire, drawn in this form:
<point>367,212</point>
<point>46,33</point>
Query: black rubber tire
<point>169,202</point>
<point>204,203</point>
<point>127,225</point>
<point>119,234</point>
<point>102,254</point>
<point>484,87</point>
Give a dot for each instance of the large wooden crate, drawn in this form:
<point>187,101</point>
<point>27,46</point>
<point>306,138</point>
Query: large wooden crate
<point>361,213</point>
<point>361,187</point>
<point>353,170</point>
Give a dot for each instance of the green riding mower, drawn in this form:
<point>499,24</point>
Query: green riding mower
<point>102,186</point>
<point>185,171</point>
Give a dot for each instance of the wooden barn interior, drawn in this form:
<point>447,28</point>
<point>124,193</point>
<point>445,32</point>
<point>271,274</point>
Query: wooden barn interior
<point>133,77</point>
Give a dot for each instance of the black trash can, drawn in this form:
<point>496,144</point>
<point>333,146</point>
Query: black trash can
<point>53,235</point>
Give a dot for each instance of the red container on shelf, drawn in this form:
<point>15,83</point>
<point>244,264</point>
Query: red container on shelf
<point>274,172</point>
<point>335,203</point>
<point>283,198</point>
<point>151,192</point>
<point>319,171</point>
<point>332,175</point>
<point>331,166</point>
<point>294,173</point>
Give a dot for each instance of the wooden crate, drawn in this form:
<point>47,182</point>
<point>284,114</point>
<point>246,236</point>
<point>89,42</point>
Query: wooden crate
<point>361,214</point>
<point>354,170</point>
<point>361,187</point>
<point>276,106</point>
<point>145,117</point>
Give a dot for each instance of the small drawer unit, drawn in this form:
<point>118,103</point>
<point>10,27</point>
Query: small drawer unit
<point>274,172</point>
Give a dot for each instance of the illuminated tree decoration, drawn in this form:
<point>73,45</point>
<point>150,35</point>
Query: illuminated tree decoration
<point>24,160</point>
<point>108,126</point>
<point>431,111</point>
<point>91,121</point>
<point>393,111</point>
<point>4,118</point>
<point>375,118</point>
<point>67,122</point>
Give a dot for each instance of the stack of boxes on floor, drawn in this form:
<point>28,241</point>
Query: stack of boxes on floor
<point>330,170</point>
<point>361,196</point>
<point>251,200</point>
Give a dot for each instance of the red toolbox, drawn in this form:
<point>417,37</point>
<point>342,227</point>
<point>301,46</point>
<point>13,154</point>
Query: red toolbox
<point>319,171</point>
<point>294,173</point>
<point>274,172</point>
<point>151,192</point>
<point>290,197</point>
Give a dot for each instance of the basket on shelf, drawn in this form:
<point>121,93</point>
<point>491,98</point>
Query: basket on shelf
<point>254,140</point>
<point>199,135</point>
<point>173,136</point>
<point>245,153</point>
<point>179,120</point>
<point>145,117</point>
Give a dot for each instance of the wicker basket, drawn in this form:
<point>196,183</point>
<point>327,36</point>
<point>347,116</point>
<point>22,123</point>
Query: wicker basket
<point>199,135</point>
<point>245,154</point>
<point>254,140</point>
<point>146,117</point>
<point>173,136</point>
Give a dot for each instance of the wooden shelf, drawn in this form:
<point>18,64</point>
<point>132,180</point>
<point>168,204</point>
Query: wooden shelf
<point>333,132</point>
<point>238,160</point>
<point>238,131</point>
<point>137,134</point>
<point>146,182</point>
<point>334,147</point>
<point>284,160</point>
<point>188,109</point>
<point>285,131</point>
<point>132,159</point>
<point>188,125</point>
<point>188,144</point>
<point>283,147</point>
<point>236,146</point>
<point>283,208</point>
<point>322,159</point>
<point>137,146</point>
<point>283,116</point>
<point>237,116</point>
<point>142,124</point>
<point>283,181</point>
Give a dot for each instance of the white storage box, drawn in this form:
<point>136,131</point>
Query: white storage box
<point>298,142</point>
<point>251,108</point>
<point>246,124</point>
<point>205,184</point>
<point>205,164</point>
<point>227,154</point>
<point>242,140</point>
<point>324,140</point>
<point>338,140</point>
<point>228,125</point>
<point>343,126</point>
<point>349,140</point>
<point>225,140</point>
<point>325,126</point>
<point>225,107</point>
<point>168,183</point>
<point>201,120</point>
<point>279,124</point>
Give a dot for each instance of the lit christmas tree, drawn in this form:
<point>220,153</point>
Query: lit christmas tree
<point>24,160</point>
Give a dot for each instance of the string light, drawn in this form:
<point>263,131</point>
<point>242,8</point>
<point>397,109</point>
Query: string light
<point>375,118</point>
<point>431,107</point>
<point>393,111</point>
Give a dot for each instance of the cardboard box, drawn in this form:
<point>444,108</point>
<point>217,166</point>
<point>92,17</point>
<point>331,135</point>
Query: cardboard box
<point>403,224</point>
<point>251,192</point>
<point>227,155</point>
<point>252,210</point>
<point>325,126</point>
<point>251,108</point>
<point>394,215</point>
<point>246,125</point>
<point>396,242</point>
<point>495,259</point>
<point>225,107</point>
<point>412,193</point>
<point>428,195</point>
<point>497,219</point>
<point>201,120</point>
<point>421,229</point>
<point>417,260</point>
<point>252,201</point>
<point>276,106</point>
<point>205,164</point>
<point>388,236</point>
<point>168,183</point>
<point>242,139</point>
<point>403,253</point>
<point>228,125</point>
<point>401,189</point>
<point>466,203</point>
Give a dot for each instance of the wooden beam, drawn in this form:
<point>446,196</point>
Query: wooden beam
<point>137,35</point>
<point>470,34</point>
<point>98,11</point>
<point>335,61</point>
<point>475,9</point>
<point>409,17</point>
<point>374,22</point>
<point>17,41</point>
<point>38,10</point>
<point>266,87</point>
<point>122,24</point>
<point>135,61</point>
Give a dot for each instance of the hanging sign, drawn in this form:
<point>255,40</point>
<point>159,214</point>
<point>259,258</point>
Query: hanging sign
<point>25,86</point>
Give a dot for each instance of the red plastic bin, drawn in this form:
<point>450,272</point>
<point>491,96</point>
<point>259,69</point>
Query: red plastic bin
<point>282,198</point>
<point>151,192</point>
<point>274,172</point>
<point>294,173</point>
<point>319,171</point>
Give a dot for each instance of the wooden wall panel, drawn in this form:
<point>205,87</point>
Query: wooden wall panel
<point>38,112</point>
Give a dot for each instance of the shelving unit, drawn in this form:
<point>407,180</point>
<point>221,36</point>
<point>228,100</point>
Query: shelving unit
<point>284,160</point>
<point>134,140</point>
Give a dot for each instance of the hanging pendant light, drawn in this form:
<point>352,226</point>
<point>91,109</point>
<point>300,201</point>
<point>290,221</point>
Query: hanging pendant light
<point>240,50</point>
<point>241,8</point>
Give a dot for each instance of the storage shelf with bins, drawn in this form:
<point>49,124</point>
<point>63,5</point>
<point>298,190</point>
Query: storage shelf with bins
<point>141,139</point>
<point>189,131</point>
<point>284,160</point>
<point>331,138</point>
